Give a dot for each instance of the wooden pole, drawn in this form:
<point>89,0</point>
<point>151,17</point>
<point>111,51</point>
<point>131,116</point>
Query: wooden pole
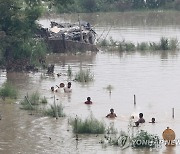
<point>55,108</point>
<point>134,99</point>
<point>29,103</point>
<point>173,113</point>
<point>81,36</point>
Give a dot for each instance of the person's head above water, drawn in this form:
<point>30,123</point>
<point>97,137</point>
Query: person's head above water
<point>69,84</point>
<point>112,110</point>
<point>153,120</point>
<point>52,88</point>
<point>140,115</point>
<point>88,98</point>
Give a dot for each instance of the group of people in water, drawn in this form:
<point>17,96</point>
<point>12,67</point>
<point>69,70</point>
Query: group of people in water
<point>66,89</point>
<point>112,115</point>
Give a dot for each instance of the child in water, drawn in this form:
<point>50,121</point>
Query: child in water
<point>111,114</point>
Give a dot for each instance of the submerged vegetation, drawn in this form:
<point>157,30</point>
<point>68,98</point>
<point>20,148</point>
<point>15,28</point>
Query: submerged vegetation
<point>35,102</point>
<point>84,76</point>
<point>54,111</point>
<point>89,126</point>
<point>163,44</point>
<point>8,91</point>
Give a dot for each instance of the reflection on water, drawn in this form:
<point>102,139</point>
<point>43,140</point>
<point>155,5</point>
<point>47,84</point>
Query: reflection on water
<point>152,76</point>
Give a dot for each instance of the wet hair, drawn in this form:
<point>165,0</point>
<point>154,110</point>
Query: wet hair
<point>153,120</point>
<point>69,83</point>
<point>111,110</point>
<point>88,98</point>
<point>52,88</point>
<point>140,115</point>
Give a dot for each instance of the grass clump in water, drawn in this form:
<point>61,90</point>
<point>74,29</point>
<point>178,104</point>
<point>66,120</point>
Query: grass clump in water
<point>53,110</point>
<point>145,139</point>
<point>84,76</point>
<point>8,91</point>
<point>89,126</point>
<point>69,71</point>
<point>31,102</point>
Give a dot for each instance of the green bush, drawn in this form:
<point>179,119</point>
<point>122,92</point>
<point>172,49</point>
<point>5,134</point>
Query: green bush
<point>84,76</point>
<point>53,110</point>
<point>89,126</point>
<point>8,90</point>
<point>142,46</point>
<point>144,139</point>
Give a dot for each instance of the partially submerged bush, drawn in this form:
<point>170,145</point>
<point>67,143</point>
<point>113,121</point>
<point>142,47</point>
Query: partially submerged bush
<point>31,102</point>
<point>53,110</point>
<point>163,44</point>
<point>84,76</point>
<point>8,91</point>
<point>145,139</point>
<point>90,126</point>
<point>69,71</point>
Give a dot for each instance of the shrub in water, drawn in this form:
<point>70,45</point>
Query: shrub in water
<point>144,139</point>
<point>8,90</point>
<point>69,71</point>
<point>53,110</point>
<point>84,76</point>
<point>90,126</point>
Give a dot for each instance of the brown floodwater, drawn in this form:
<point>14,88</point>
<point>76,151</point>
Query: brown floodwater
<point>152,76</point>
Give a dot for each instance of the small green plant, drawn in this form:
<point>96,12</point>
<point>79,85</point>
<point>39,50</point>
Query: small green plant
<point>29,102</point>
<point>142,46</point>
<point>8,91</point>
<point>109,88</point>
<point>164,44</point>
<point>103,43</point>
<point>173,44</point>
<point>69,71</point>
<point>44,100</point>
<point>89,126</point>
<point>53,110</point>
<point>84,76</point>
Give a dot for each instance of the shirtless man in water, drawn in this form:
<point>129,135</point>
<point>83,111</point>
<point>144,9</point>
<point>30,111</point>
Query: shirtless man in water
<point>111,114</point>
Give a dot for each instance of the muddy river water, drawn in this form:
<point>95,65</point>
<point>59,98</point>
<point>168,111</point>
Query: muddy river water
<point>152,76</point>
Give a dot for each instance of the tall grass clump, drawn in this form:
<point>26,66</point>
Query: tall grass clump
<point>53,110</point>
<point>103,43</point>
<point>89,126</point>
<point>142,46</point>
<point>31,102</point>
<point>84,76</point>
<point>173,44</point>
<point>8,91</point>
<point>69,71</point>
<point>126,46</point>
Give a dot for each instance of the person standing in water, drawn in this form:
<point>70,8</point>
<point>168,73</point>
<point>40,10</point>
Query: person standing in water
<point>141,119</point>
<point>111,114</point>
<point>68,88</point>
<point>88,101</point>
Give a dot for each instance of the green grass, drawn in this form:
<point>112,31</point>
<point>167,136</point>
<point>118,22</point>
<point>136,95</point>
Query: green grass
<point>8,91</point>
<point>89,126</point>
<point>84,76</point>
<point>33,101</point>
<point>122,46</point>
<point>69,71</point>
<point>52,111</point>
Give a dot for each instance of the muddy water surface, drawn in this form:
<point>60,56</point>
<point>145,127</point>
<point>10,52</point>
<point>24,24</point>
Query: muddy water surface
<point>152,77</point>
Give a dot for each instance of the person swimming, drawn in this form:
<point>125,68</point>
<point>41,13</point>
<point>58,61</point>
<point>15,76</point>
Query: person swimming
<point>152,120</point>
<point>111,114</point>
<point>88,101</point>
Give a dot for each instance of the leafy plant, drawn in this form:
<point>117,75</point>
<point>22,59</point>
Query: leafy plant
<point>84,76</point>
<point>8,90</point>
<point>90,126</point>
